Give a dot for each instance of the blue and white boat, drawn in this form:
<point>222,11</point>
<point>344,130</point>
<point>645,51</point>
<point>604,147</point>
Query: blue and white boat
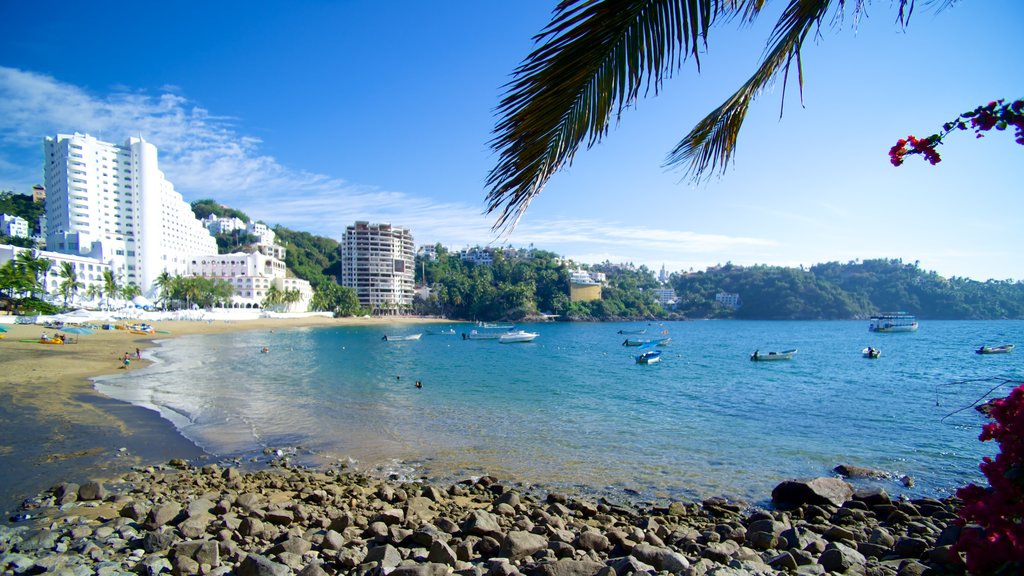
<point>649,357</point>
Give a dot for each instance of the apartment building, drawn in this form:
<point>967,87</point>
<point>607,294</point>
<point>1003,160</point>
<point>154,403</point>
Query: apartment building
<point>377,261</point>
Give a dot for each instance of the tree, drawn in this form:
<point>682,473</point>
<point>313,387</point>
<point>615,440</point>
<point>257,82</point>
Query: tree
<point>110,285</point>
<point>35,267</point>
<point>69,284</point>
<point>591,64</point>
<point>272,298</point>
<point>163,286</point>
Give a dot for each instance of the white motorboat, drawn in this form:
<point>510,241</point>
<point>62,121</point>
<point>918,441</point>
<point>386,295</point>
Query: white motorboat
<point>517,336</point>
<point>759,356</point>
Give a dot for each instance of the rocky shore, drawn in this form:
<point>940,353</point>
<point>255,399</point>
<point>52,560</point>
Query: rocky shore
<point>212,520</point>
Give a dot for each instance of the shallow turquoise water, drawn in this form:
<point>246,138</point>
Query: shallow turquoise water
<point>574,409</point>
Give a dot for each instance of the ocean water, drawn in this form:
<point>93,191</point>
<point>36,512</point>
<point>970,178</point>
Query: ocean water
<point>572,410</point>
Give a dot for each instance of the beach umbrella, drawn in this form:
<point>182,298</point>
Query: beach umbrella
<point>3,328</point>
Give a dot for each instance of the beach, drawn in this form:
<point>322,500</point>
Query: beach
<point>54,426</point>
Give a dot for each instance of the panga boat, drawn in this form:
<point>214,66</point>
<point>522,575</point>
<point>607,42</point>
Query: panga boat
<point>893,322</point>
<point>762,357</point>
<point>634,342</point>
<point>664,342</point>
<point>870,352</point>
<point>517,336</point>
<point>495,326</point>
<point>1004,349</point>
<point>649,357</point>
<point>644,331</point>
<point>402,338</point>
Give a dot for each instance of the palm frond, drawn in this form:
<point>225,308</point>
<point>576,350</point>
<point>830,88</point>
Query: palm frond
<point>591,62</point>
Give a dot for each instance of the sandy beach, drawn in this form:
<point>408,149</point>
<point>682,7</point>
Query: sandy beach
<point>55,426</point>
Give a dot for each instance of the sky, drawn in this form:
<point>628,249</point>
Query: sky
<point>314,114</point>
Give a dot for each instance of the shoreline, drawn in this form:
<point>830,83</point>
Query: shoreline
<point>54,425</point>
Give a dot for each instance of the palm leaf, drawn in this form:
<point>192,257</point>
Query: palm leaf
<point>591,63</point>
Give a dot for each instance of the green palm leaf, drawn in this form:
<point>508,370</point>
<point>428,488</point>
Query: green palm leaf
<point>593,60</point>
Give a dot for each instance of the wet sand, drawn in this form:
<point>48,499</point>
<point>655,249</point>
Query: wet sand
<point>55,427</point>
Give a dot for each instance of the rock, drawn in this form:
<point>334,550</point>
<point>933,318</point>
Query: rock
<point>428,569</point>
<point>872,496</point>
<point>840,558</point>
<point>257,565</point>
<point>629,565</point>
<point>92,490</point>
<point>794,493</point>
<point>518,544</point>
<point>660,558</point>
<point>387,555</point>
<point>65,492</point>
<point>783,561</point>
<point>482,523</point>
<point>589,540</point>
<point>442,553</point>
<point>568,567</point>
<point>332,541</point>
<point>851,471</point>
<point>313,569</point>
<point>293,545</point>
<point>910,547</point>
<point>161,515</point>
<point>911,568</point>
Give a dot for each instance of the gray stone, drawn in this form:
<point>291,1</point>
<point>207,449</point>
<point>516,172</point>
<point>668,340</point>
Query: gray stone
<point>185,566</point>
<point>387,555</point>
<point>428,569</point>
<point>589,540</point>
<point>660,558</point>
<point>840,558</point>
<point>280,517</point>
<point>65,492</point>
<point>568,567</point>
<point>911,568</point>
<point>162,514</point>
<point>518,544</point>
<point>92,490</point>
<point>783,561</point>
<point>823,490</point>
<point>257,565</point>
<point>910,547</point>
<point>313,569</point>
<point>629,565</point>
<point>248,501</point>
<point>156,541</point>
<point>442,553</point>
<point>721,552</point>
<point>481,523</point>
<point>292,545</point>
<point>851,471</point>
<point>332,541</point>
<point>153,565</point>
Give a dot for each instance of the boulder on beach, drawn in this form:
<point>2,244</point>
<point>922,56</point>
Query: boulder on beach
<point>823,490</point>
<point>851,471</point>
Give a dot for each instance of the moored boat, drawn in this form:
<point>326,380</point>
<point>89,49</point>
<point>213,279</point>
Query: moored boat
<point>871,352</point>
<point>402,338</point>
<point>664,342</point>
<point>642,331</point>
<point>893,322</point>
<point>517,336</point>
<point>1004,349</point>
<point>495,326</point>
<point>758,356</point>
<point>649,357</point>
<point>635,342</point>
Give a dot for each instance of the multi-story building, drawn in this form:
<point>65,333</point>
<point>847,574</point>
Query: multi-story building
<point>14,226</point>
<point>730,299</point>
<point>251,275</point>
<point>112,202</point>
<point>88,271</point>
<point>583,287</point>
<point>377,261</point>
<point>226,225</point>
<point>38,194</point>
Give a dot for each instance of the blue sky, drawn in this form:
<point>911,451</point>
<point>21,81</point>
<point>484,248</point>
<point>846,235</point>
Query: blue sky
<point>314,114</point>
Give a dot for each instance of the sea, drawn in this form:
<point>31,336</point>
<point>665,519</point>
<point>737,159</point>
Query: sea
<point>573,411</point>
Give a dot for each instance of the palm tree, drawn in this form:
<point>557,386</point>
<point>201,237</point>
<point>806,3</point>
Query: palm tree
<point>94,291</point>
<point>35,267</point>
<point>272,298</point>
<point>110,285</point>
<point>69,284</point>
<point>591,64</point>
<point>163,286</point>
<point>130,290</point>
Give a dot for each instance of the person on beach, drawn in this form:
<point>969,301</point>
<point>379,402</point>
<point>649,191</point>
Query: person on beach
<point>419,384</point>
<point>138,354</point>
<point>126,361</point>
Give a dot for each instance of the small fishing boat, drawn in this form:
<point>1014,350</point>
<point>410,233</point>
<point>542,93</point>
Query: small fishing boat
<point>643,331</point>
<point>664,342</point>
<point>517,336</point>
<point>401,338</point>
<point>870,352</point>
<point>1004,349</point>
<point>649,357</point>
<point>893,322</point>
<point>758,356</point>
<point>635,342</point>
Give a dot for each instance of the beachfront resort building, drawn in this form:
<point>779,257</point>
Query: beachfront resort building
<point>378,262</point>
<point>252,275</point>
<point>112,203</point>
<point>583,287</point>
<point>88,271</point>
<point>230,224</point>
<point>15,226</point>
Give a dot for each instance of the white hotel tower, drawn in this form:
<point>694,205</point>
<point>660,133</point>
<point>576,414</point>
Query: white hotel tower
<point>378,262</point>
<point>111,202</point>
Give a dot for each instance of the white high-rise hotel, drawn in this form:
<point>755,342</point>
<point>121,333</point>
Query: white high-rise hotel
<point>100,196</point>
<point>378,262</point>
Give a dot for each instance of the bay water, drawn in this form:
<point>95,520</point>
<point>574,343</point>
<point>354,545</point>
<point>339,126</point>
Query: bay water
<point>573,410</point>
